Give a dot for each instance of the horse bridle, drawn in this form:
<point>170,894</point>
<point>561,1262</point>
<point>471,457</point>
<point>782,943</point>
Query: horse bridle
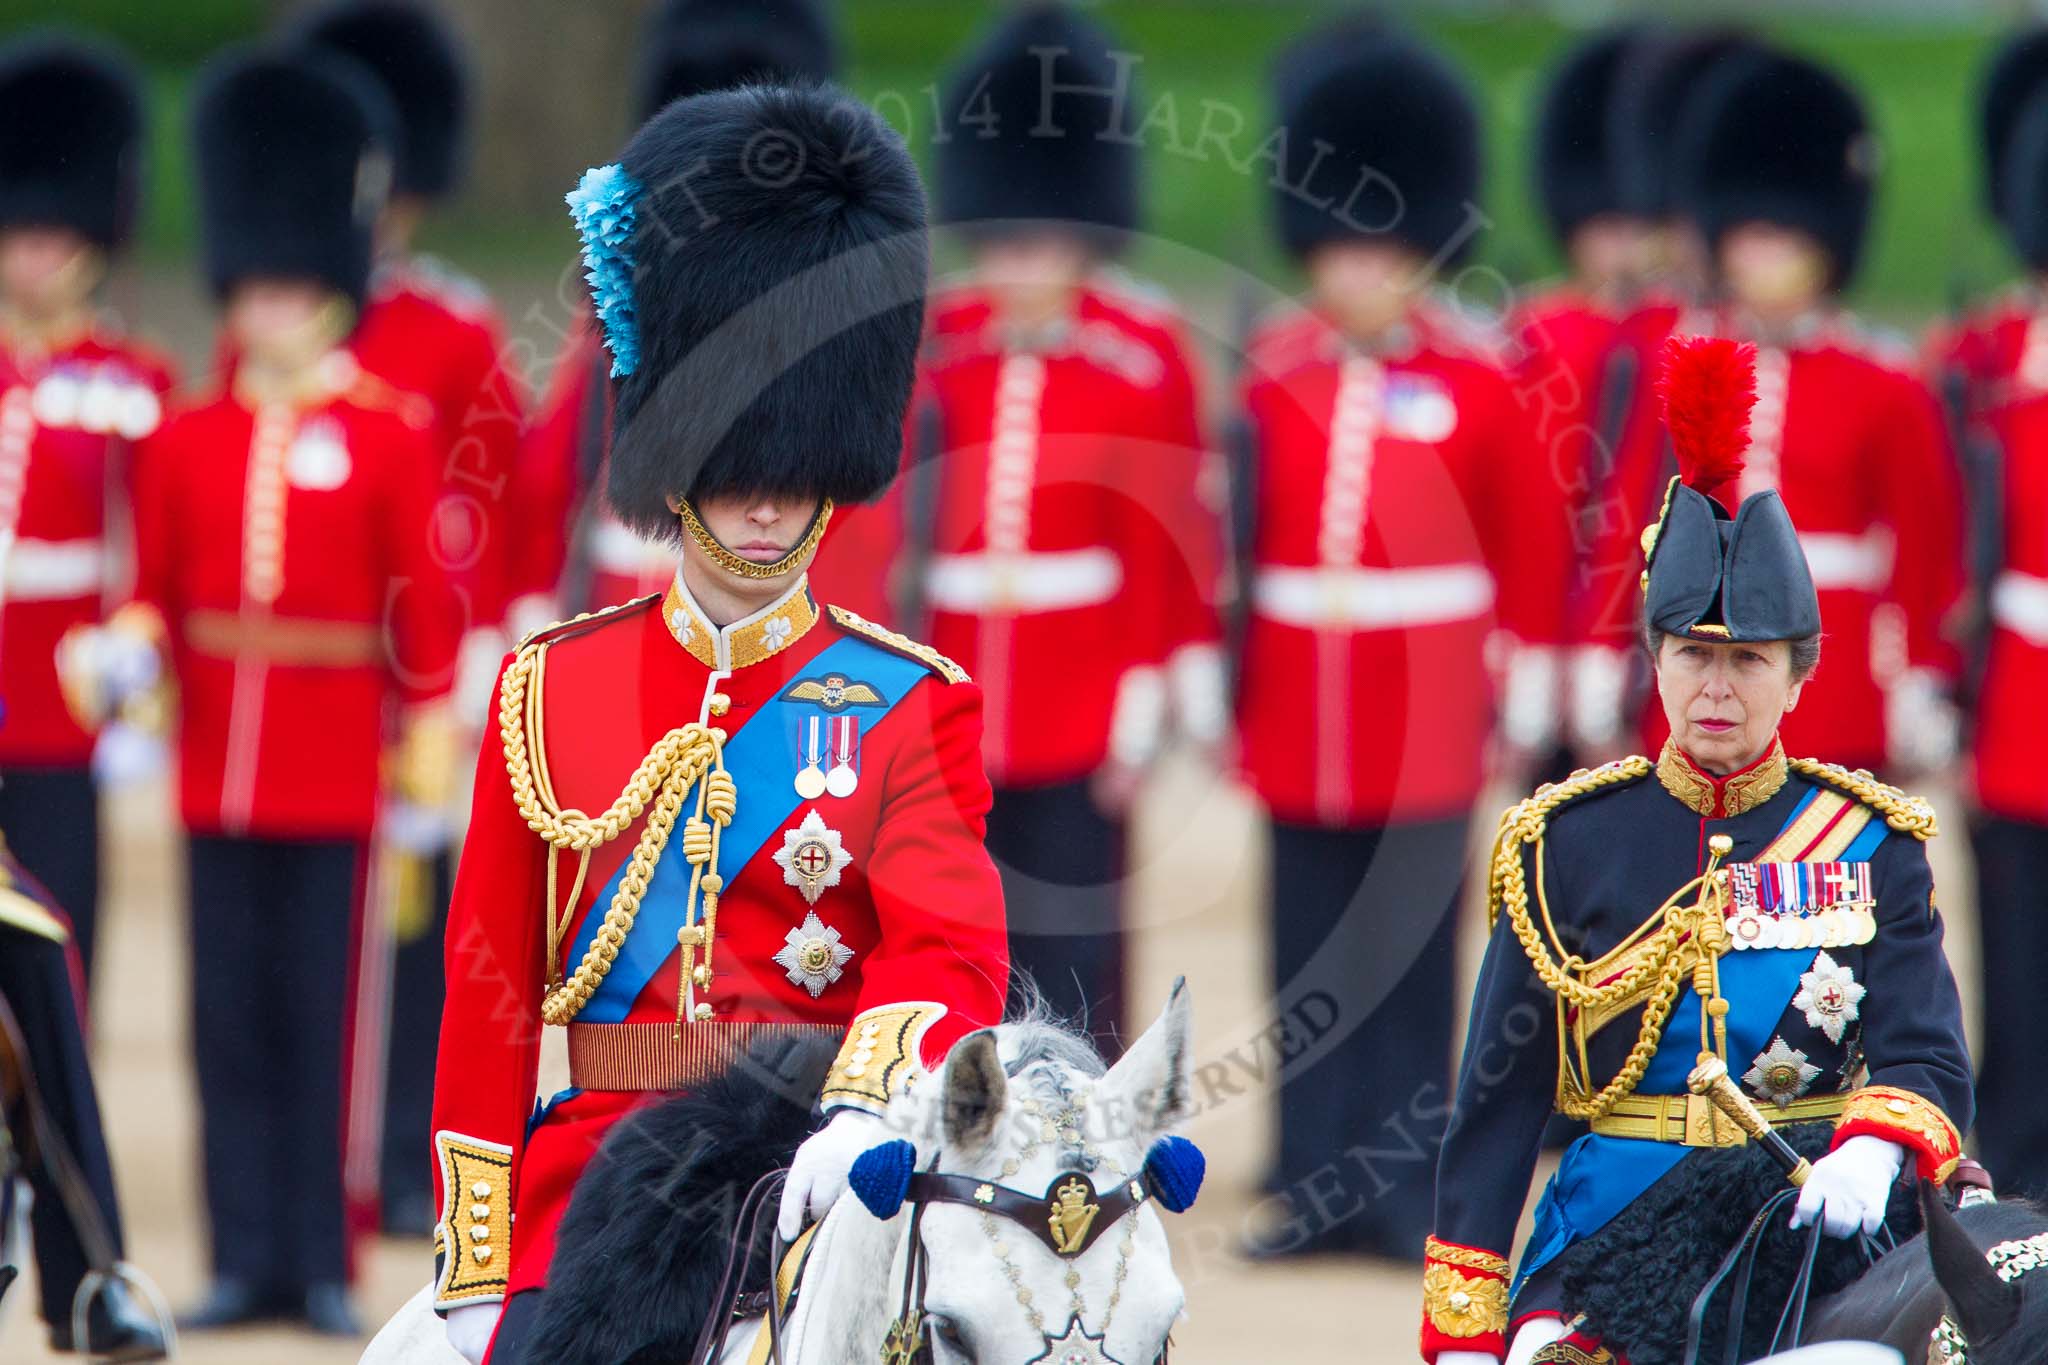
<point>1068,1218</point>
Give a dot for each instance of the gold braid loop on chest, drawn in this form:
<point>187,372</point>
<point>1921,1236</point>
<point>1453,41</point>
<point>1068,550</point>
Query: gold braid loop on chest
<point>1678,940</point>
<point>690,756</point>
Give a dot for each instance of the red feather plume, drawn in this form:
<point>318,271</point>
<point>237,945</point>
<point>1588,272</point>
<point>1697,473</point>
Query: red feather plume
<point>1708,385</point>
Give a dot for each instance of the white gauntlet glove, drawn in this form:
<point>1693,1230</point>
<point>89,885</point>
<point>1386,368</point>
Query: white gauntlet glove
<point>1466,1358</point>
<point>1598,687</point>
<point>818,1175</point>
<point>470,1328</point>
<point>1849,1187</point>
<point>1923,730</point>
<point>1530,698</point>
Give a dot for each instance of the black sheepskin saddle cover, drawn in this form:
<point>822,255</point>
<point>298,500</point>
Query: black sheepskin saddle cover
<point>643,1245</point>
<point>1636,1278</point>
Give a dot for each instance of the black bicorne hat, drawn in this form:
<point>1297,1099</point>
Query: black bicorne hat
<point>692,47</point>
<point>1778,139</point>
<point>2018,71</point>
<point>1709,575</point>
<point>293,148</point>
<point>1382,143</point>
<point>1576,168</point>
<point>757,259</point>
<point>1652,92</point>
<point>1038,126</point>
<point>70,138</point>
<point>419,60</point>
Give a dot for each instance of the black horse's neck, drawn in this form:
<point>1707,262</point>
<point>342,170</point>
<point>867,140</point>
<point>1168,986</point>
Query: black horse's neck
<point>1900,1301</point>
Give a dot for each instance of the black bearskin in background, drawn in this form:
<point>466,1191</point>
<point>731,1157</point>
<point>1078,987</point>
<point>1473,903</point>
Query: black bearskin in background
<point>2025,211</point>
<point>1574,162</point>
<point>692,47</point>
<point>1636,1278</point>
<point>641,1249</point>
<point>2015,75</point>
<point>293,167</point>
<point>1008,156</point>
<point>419,61</point>
<point>1401,159</point>
<point>1777,139</point>
<point>1651,95</point>
<point>780,255</point>
<point>70,138</point>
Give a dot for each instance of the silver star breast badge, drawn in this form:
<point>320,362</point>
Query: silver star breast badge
<point>812,857</point>
<point>1074,1347</point>
<point>1780,1074</point>
<point>813,955</point>
<point>1830,996</point>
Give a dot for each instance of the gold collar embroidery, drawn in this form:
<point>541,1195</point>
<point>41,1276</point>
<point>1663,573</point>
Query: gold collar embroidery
<point>750,640</point>
<point>1726,797</point>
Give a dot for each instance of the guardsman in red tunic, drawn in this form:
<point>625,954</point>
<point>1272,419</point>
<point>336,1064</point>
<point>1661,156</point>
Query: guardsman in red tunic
<point>428,332</point>
<point>285,572</point>
<point>574,555</point>
<point>726,810</point>
<point>1843,428</point>
<point>2009,830</point>
<point>1064,553</point>
<point>75,393</point>
<point>1394,543</point>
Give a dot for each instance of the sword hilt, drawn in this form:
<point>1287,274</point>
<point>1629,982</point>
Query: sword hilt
<point>1710,1078</point>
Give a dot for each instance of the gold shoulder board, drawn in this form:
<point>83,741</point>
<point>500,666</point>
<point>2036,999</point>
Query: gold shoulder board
<point>901,644</point>
<point>1907,814</point>
<point>554,631</point>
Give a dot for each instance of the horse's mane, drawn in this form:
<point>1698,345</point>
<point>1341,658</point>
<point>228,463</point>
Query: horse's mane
<point>2007,1220</point>
<point>1040,1052</point>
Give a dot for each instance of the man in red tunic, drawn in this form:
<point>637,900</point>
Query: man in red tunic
<point>1401,536</point>
<point>724,811</point>
<point>75,393</point>
<point>285,573</point>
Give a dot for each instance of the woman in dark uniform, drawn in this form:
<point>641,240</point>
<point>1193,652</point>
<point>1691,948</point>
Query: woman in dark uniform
<point>1722,903</point>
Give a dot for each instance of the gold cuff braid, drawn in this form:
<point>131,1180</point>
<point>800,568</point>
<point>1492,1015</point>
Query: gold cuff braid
<point>474,1235</point>
<point>1916,1119</point>
<point>880,1055</point>
<point>1463,1305</point>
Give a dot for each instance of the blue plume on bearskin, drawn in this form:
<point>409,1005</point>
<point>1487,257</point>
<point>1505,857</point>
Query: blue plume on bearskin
<point>880,1177</point>
<point>1174,1169</point>
<point>602,205</point>
<point>653,1214</point>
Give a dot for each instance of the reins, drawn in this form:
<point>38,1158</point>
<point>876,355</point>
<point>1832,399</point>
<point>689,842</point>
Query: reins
<point>1740,1262</point>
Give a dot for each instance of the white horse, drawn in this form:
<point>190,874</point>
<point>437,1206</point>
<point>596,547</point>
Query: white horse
<point>1018,1108</point>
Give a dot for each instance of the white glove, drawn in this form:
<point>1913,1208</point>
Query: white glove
<point>470,1328</point>
<point>818,1175</point>
<point>126,754</point>
<point>1599,680</point>
<point>412,828</point>
<point>1467,1358</point>
<point>1849,1186</point>
<point>1922,728</point>
<point>1529,700</point>
<point>476,673</point>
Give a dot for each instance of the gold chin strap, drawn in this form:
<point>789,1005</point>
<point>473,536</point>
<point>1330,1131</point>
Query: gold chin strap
<point>746,568</point>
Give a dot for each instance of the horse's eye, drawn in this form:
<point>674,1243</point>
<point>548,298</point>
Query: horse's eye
<point>948,1331</point>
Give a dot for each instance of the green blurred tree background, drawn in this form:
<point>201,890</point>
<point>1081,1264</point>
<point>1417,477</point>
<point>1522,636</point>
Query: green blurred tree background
<point>556,81</point>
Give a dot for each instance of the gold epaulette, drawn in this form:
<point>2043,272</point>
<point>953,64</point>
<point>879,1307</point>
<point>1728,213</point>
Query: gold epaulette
<point>558,629</point>
<point>901,644</point>
<point>1907,814</point>
<point>1526,820</point>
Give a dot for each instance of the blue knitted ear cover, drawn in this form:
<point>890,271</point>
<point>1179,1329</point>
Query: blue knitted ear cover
<point>1174,1169</point>
<point>880,1177</point>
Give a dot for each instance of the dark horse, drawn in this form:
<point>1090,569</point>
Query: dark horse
<point>1903,1298</point>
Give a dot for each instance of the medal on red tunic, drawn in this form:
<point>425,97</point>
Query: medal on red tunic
<point>845,775</point>
<point>810,779</point>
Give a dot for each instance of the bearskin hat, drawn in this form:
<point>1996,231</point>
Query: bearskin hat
<point>694,46</point>
<point>2025,169</point>
<point>1777,139</point>
<point>1574,160</point>
<point>293,150</point>
<point>1651,94</point>
<point>757,259</point>
<point>70,138</point>
<point>1381,141</point>
<point>1040,123</point>
<point>420,62</point>
<point>2016,73</point>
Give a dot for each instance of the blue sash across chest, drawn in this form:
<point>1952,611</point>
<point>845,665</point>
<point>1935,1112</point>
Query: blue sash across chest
<point>758,758</point>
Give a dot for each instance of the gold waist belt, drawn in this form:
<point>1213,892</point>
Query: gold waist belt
<point>653,1057</point>
<point>1693,1120</point>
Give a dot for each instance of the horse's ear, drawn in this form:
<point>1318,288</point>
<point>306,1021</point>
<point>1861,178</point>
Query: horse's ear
<point>1984,1305</point>
<point>1155,1078</point>
<point>975,1092</point>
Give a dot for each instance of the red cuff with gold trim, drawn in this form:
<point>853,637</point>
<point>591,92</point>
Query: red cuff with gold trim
<point>1913,1121</point>
<point>1464,1300</point>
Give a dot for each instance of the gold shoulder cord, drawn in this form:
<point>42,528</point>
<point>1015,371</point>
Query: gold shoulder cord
<point>690,755</point>
<point>1904,813</point>
<point>1661,966</point>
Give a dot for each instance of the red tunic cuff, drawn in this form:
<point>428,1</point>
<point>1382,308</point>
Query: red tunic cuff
<point>1464,1300</point>
<point>1913,1121</point>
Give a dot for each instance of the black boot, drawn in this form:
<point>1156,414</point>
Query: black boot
<point>117,1328</point>
<point>230,1302</point>
<point>327,1311</point>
